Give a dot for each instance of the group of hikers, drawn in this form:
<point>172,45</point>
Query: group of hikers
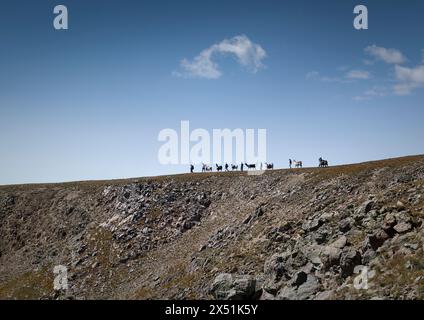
<point>268,166</point>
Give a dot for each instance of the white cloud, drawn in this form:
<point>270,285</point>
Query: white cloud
<point>247,53</point>
<point>361,98</point>
<point>405,79</point>
<point>374,92</point>
<point>348,77</point>
<point>202,66</point>
<point>312,75</point>
<point>392,56</point>
<point>358,75</point>
<point>368,62</point>
<point>343,68</point>
<point>409,79</point>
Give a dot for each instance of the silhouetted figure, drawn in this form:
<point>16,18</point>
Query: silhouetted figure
<point>269,165</point>
<point>298,164</point>
<point>322,163</point>
<point>290,163</point>
<point>241,167</point>
<point>261,166</point>
<point>250,166</point>
<point>191,168</point>
<point>226,167</point>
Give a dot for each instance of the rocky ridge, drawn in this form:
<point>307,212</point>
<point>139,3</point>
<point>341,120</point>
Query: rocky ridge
<point>286,234</point>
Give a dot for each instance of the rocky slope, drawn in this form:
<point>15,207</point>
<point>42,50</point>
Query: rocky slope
<point>286,234</point>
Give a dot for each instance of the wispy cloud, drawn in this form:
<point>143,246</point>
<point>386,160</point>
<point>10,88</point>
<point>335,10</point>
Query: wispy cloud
<point>347,77</point>
<point>368,62</point>
<point>315,75</point>
<point>343,68</point>
<point>312,75</point>
<point>358,74</point>
<point>406,79</point>
<point>247,53</point>
<point>409,79</point>
<point>376,91</point>
<point>391,56</point>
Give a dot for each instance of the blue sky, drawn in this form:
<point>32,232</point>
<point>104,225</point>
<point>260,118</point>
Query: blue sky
<point>89,102</point>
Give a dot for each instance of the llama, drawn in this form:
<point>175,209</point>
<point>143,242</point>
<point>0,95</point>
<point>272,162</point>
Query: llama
<point>322,163</point>
<point>250,166</point>
<point>206,168</point>
<point>269,165</point>
<point>297,164</point>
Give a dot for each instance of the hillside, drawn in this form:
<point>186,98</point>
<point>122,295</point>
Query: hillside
<point>286,234</point>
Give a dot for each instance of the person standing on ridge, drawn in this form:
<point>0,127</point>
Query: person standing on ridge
<point>290,163</point>
<point>191,168</point>
<point>241,167</point>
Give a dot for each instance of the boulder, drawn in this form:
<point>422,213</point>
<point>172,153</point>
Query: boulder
<point>275,270</point>
<point>299,278</point>
<point>377,239</point>
<point>266,296</point>
<point>367,206</point>
<point>221,285</point>
<point>326,216</point>
<point>403,227</point>
<point>345,225</point>
<point>389,223</point>
<point>330,256</point>
<point>308,288</point>
<point>233,287</point>
<point>287,293</point>
<point>259,212</point>
<point>324,295</point>
<point>348,260</point>
<point>340,243</point>
<point>312,225</point>
<point>321,235</point>
<point>400,206</point>
<point>368,256</point>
